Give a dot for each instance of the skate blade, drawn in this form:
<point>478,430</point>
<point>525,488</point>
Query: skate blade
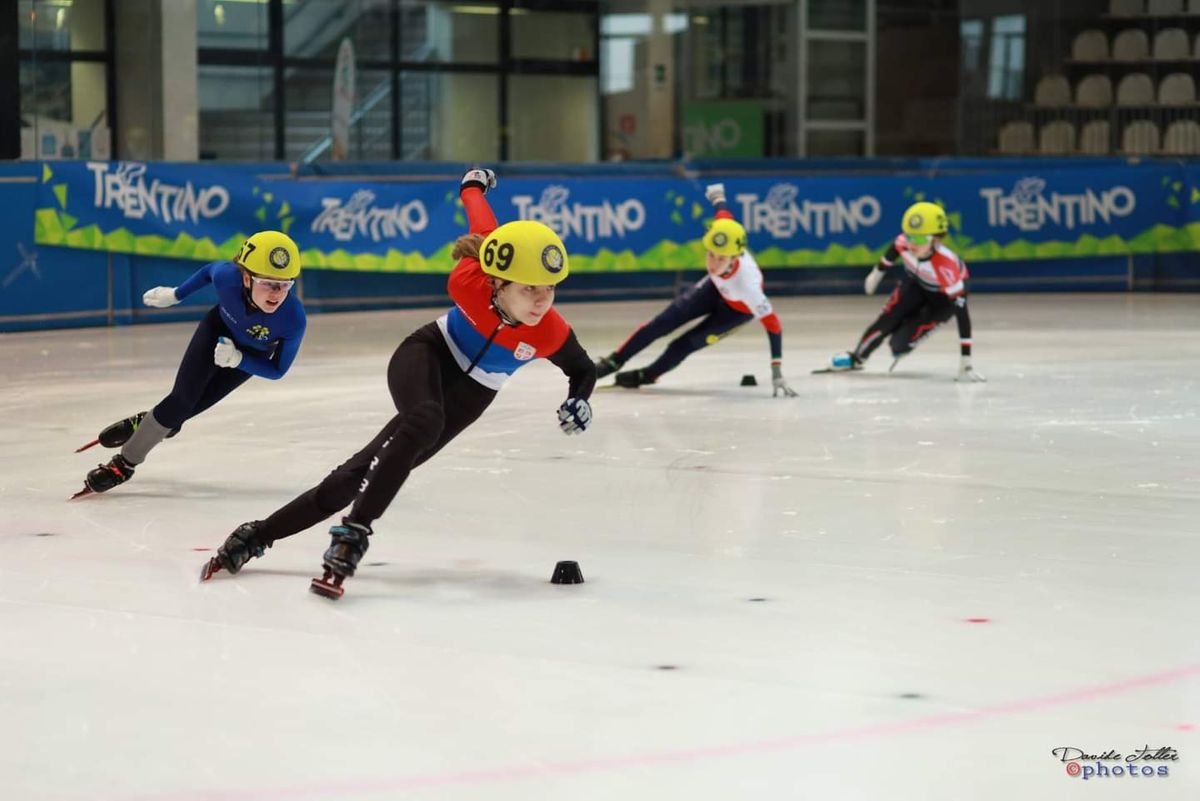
<point>327,589</point>
<point>823,370</point>
<point>82,493</point>
<point>210,567</point>
<point>91,444</point>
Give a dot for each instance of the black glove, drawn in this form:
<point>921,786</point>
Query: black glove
<point>574,416</point>
<point>480,177</point>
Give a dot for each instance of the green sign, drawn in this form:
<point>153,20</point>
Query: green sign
<point>723,129</point>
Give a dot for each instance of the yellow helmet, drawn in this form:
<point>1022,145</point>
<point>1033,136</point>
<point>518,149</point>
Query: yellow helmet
<point>270,254</point>
<point>725,237</point>
<point>925,220</point>
<point>526,252</point>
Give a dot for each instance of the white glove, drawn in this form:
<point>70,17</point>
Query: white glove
<point>574,416</point>
<point>872,280</point>
<point>481,177</point>
<point>715,193</point>
<point>779,384</point>
<point>966,372</point>
<point>226,353</point>
<point>160,297</point>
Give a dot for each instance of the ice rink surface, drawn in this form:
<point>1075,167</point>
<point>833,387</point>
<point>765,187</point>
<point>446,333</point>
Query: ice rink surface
<point>779,596</point>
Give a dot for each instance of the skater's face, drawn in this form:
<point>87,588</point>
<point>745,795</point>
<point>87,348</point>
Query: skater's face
<point>525,303</point>
<point>922,247</point>
<point>267,294</point>
<point>717,265</point>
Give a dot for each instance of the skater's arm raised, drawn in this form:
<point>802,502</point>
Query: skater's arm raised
<point>476,183</point>
<point>467,277</point>
<point>716,196</point>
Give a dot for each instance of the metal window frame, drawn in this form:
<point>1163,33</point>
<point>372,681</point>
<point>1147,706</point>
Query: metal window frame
<point>24,55</point>
<point>275,58</point>
<point>804,36</point>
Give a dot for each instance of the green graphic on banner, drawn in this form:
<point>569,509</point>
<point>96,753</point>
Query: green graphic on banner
<point>53,228</point>
<point>723,129</point>
<point>185,212</point>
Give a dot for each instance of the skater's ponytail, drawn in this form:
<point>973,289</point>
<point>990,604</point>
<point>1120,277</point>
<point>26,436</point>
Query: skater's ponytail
<point>467,246</point>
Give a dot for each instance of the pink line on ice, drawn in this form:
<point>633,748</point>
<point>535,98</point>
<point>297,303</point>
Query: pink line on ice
<point>561,769</point>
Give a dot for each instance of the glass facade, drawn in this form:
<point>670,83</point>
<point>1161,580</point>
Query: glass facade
<point>431,77</point>
<point>581,80</point>
<point>64,69</point>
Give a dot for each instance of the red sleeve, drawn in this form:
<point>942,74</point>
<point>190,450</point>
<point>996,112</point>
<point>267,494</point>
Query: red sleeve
<point>772,324</point>
<point>468,286</point>
<point>467,279</point>
<point>479,213</point>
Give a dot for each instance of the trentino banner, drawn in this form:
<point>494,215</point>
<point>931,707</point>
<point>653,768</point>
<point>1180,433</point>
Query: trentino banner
<point>623,223</point>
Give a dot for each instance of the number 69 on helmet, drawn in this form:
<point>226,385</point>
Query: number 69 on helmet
<point>525,252</point>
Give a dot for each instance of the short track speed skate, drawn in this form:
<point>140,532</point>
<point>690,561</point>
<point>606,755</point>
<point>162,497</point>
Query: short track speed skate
<point>341,558</point>
<point>244,544</point>
<point>117,434</point>
<point>106,476</point>
<point>843,362</point>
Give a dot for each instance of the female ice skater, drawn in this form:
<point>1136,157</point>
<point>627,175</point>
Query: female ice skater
<point>932,289</point>
<point>255,329</point>
<point>442,378</point>
<point>729,296</point>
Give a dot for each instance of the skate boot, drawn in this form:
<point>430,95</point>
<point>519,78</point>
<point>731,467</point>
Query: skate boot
<point>632,379</point>
<point>841,363</point>
<point>106,476</point>
<point>244,544</point>
<point>117,434</point>
<point>341,558</point>
<point>608,365</point>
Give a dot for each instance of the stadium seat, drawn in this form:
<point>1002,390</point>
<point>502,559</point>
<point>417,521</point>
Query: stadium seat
<point>1135,89</point>
<point>1140,137</point>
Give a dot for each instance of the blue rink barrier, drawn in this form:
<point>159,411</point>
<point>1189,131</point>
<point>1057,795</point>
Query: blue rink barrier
<point>80,242</point>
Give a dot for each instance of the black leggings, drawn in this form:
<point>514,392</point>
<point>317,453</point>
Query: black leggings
<point>698,301</point>
<point>435,401</point>
<point>909,315</point>
<point>200,383</point>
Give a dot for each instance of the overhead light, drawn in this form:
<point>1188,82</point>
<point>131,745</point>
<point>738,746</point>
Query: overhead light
<point>219,14</point>
<point>59,16</point>
<point>488,10</point>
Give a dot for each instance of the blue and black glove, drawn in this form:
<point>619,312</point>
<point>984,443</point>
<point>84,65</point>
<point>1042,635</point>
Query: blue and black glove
<point>574,416</point>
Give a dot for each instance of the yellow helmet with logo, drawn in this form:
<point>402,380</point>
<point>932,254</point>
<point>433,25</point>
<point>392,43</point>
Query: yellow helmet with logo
<point>725,237</point>
<point>925,220</point>
<point>270,254</point>
<point>525,251</point>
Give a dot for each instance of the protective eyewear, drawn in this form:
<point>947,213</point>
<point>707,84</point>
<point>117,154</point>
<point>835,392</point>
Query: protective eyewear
<point>919,239</point>
<point>272,285</point>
